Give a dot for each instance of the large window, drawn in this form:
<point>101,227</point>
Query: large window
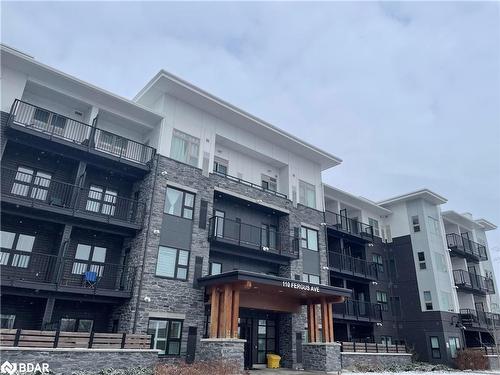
<point>185,148</point>
<point>382,299</point>
<point>29,182</point>
<point>20,245</point>
<point>454,346</point>
<point>308,278</point>
<point>377,259</point>
<point>89,259</point>
<point>374,224</point>
<point>309,238</point>
<point>167,334</point>
<point>179,203</point>
<point>102,200</point>
<point>428,300</point>
<point>307,194</point>
<point>7,321</point>
<point>76,325</point>
<point>268,236</point>
<point>215,268</point>
<point>435,351</point>
<point>172,263</point>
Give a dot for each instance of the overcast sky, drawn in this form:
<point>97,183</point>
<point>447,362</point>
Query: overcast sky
<point>408,95</point>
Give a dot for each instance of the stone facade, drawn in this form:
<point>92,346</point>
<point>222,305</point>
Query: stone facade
<point>64,361</point>
<point>374,359</point>
<point>231,350</point>
<point>320,356</point>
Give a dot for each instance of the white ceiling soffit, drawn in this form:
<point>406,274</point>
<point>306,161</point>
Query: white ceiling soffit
<point>353,200</point>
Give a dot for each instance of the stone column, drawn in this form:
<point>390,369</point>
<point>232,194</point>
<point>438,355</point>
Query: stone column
<point>227,350</point>
<point>321,356</point>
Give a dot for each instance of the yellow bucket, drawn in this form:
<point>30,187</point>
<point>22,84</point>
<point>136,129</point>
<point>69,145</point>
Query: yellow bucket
<point>273,361</point>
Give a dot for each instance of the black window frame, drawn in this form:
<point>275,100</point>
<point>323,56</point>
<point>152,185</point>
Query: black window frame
<point>379,262</point>
<point>176,265</point>
<point>308,276</point>
<point>183,205</point>
<point>435,350</point>
<point>168,339</point>
<point>428,304</point>
<point>219,162</point>
<point>421,260</point>
<point>415,225</point>
<point>77,323</point>
<point>22,257</point>
<point>306,238</point>
<point>384,305</point>
<point>210,268</point>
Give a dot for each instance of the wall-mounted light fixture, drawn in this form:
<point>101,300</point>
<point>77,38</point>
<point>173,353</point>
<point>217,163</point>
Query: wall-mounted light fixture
<point>156,231</point>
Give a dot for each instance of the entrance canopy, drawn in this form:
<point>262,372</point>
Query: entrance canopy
<point>260,291</point>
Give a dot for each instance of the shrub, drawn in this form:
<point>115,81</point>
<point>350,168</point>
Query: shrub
<point>199,368</point>
<point>469,359</point>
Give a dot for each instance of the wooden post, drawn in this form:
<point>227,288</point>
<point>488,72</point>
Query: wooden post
<point>330,320</point>
<point>225,327</point>
<point>214,313</point>
<point>324,321</point>
<point>236,312</point>
<point>312,323</point>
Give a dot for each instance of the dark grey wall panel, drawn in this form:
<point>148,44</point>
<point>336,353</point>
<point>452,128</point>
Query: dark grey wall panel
<point>230,263</point>
<point>311,261</point>
<point>176,232</point>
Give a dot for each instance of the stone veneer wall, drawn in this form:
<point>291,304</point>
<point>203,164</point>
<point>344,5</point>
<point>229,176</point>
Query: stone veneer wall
<point>374,359</point>
<point>318,356</point>
<point>231,350</point>
<point>179,297</point>
<point>64,361</point>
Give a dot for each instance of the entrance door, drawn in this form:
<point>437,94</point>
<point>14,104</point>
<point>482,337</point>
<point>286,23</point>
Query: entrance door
<point>245,333</point>
<point>260,336</point>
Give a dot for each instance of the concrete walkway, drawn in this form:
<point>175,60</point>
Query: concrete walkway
<point>280,371</point>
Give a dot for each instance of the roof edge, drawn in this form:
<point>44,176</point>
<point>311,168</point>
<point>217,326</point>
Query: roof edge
<point>422,193</point>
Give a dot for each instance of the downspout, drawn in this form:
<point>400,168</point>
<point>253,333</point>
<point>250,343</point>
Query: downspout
<point>139,292</point>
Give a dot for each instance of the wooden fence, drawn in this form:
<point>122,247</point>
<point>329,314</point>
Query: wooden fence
<point>367,347</point>
<point>60,339</point>
<point>488,350</point>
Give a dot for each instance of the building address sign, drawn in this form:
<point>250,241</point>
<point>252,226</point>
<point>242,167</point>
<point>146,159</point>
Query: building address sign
<point>306,287</point>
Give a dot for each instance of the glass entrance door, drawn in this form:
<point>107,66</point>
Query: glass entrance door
<point>261,339</point>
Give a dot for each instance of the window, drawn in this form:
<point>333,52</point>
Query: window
<point>166,334</point>
<point>268,236</point>
<point>41,119</point>
<point>396,306</point>
<point>220,165</point>
<point>21,243</point>
<point>269,183</point>
<point>31,183</point>
<point>185,148</point>
<point>392,267</point>
<point>309,238</point>
<point>374,224</point>
<point>440,262</point>
<point>454,346</point>
<point>415,223</point>
<point>428,300</point>
<point>93,258</point>
<point>76,325</point>
<point>307,194</point>
<point>215,268</point>
<point>377,259</point>
<point>386,340</point>
<point>102,200</point>
<point>172,263</point>
<point>386,234</point>
<point>433,225</point>
<point>219,223</point>
<point>421,260</point>
<point>382,299</point>
<point>179,203</point>
<point>7,321</point>
<point>435,351</point>
<point>308,278</point>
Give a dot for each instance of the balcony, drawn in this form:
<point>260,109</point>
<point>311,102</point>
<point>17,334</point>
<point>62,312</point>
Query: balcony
<point>48,272</point>
<point>257,240</point>
<point>348,227</point>
<point>358,310</point>
<point>250,184</point>
<point>352,266</point>
<point>35,191</point>
<point>473,283</point>
<point>53,127</point>
<point>479,319</point>
<point>463,247</point>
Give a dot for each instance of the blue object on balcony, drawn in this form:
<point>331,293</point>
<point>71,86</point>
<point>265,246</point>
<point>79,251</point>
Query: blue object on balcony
<point>90,279</point>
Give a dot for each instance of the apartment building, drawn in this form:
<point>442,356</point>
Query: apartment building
<point>180,215</point>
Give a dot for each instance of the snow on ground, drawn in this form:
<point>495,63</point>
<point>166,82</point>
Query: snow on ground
<point>422,373</point>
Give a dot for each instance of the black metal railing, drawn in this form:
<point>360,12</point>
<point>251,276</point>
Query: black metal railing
<point>473,281</point>
<point>33,189</point>
<point>58,126</point>
<point>353,266</point>
<point>351,226</point>
<point>366,346</point>
<point>358,310</point>
<point>465,247</point>
<point>477,318</point>
<point>65,272</point>
<point>253,237</point>
<point>250,184</point>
